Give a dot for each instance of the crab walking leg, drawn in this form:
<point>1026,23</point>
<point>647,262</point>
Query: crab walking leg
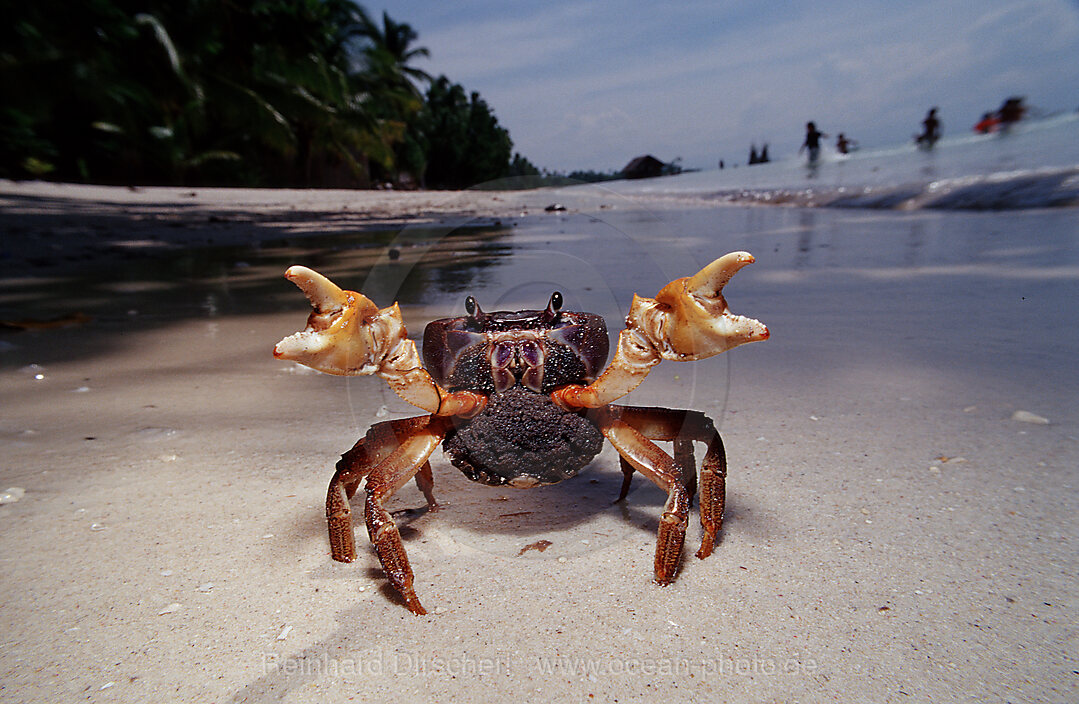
<point>687,320</point>
<point>647,458</point>
<point>385,479</point>
<point>684,428</point>
<point>683,457</point>
<point>426,484</point>
<point>348,335</point>
<point>339,518</point>
<point>627,478</point>
<point>379,442</point>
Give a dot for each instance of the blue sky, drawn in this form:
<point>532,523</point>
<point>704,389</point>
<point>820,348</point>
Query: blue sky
<point>589,85</point>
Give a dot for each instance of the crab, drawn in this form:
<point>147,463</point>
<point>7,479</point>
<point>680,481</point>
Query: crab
<point>521,399</point>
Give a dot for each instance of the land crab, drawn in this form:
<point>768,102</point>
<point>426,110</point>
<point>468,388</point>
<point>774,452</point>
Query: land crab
<point>519,399</point>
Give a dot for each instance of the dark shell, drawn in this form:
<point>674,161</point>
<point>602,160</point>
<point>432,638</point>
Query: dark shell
<point>545,348</point>
<point>522,439</point>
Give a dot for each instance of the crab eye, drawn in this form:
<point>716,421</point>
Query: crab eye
<point>475,312</point>
<point>553,307</point>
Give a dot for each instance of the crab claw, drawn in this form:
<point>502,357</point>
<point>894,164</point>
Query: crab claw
<point>347,334</point>
<point>689,318</point>
<point>339,337</point>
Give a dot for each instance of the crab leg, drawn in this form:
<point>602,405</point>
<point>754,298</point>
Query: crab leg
<point>347,334</point>
<point>683,457</point>
<point>684,428</point>
<point>647,458</point>
<point>379,442</point>
<point>396,454</point>
<point>385,480</point>
<point>426,484</point>
<point>687,320</point>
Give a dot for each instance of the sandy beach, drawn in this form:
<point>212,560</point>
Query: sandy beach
<point>903,457</point>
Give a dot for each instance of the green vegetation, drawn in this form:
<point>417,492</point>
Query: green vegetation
<point>532,177</point>
<point>464,143</point>
<point>243,92</point>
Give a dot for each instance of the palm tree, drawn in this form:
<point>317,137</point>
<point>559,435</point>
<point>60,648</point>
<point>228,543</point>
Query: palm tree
<point>275,93</point>
<point>391,81</point>
<point>390,51</point>
<point>260,92</point>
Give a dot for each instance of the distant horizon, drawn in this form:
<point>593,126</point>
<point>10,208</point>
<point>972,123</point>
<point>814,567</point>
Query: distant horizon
<point>590,87</point>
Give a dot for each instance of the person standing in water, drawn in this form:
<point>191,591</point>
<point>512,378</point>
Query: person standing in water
<point>844,145</point>
<point>812,143</point>
<point>930,130</point>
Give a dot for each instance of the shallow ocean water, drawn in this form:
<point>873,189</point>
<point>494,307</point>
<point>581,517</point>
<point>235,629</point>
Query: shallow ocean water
<point>596,260</point>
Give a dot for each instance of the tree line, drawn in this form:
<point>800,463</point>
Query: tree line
<point>234,92</point>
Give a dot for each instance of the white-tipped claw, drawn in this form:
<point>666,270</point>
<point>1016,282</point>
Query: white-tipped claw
<point>339,337</point>
<point>325,295</point>
<point>689,318</point>
<point>710,280</point>
<point>347,334</point>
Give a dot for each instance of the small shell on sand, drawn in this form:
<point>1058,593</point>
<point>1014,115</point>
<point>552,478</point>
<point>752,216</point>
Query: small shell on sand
<point>11,494</point>
<point>1028,417</point>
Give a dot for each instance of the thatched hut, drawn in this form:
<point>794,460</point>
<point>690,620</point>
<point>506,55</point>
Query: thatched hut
<point>646,166</point>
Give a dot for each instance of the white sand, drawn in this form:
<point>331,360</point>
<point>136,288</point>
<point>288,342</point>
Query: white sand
<point>892,535</point>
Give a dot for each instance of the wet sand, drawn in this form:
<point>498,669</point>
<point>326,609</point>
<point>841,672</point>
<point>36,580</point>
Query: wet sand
<point>895,531</point>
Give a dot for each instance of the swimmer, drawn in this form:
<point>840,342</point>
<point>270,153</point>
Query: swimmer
<point>812,143</point>
<point>930,130</point>
<point>844,145</point>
